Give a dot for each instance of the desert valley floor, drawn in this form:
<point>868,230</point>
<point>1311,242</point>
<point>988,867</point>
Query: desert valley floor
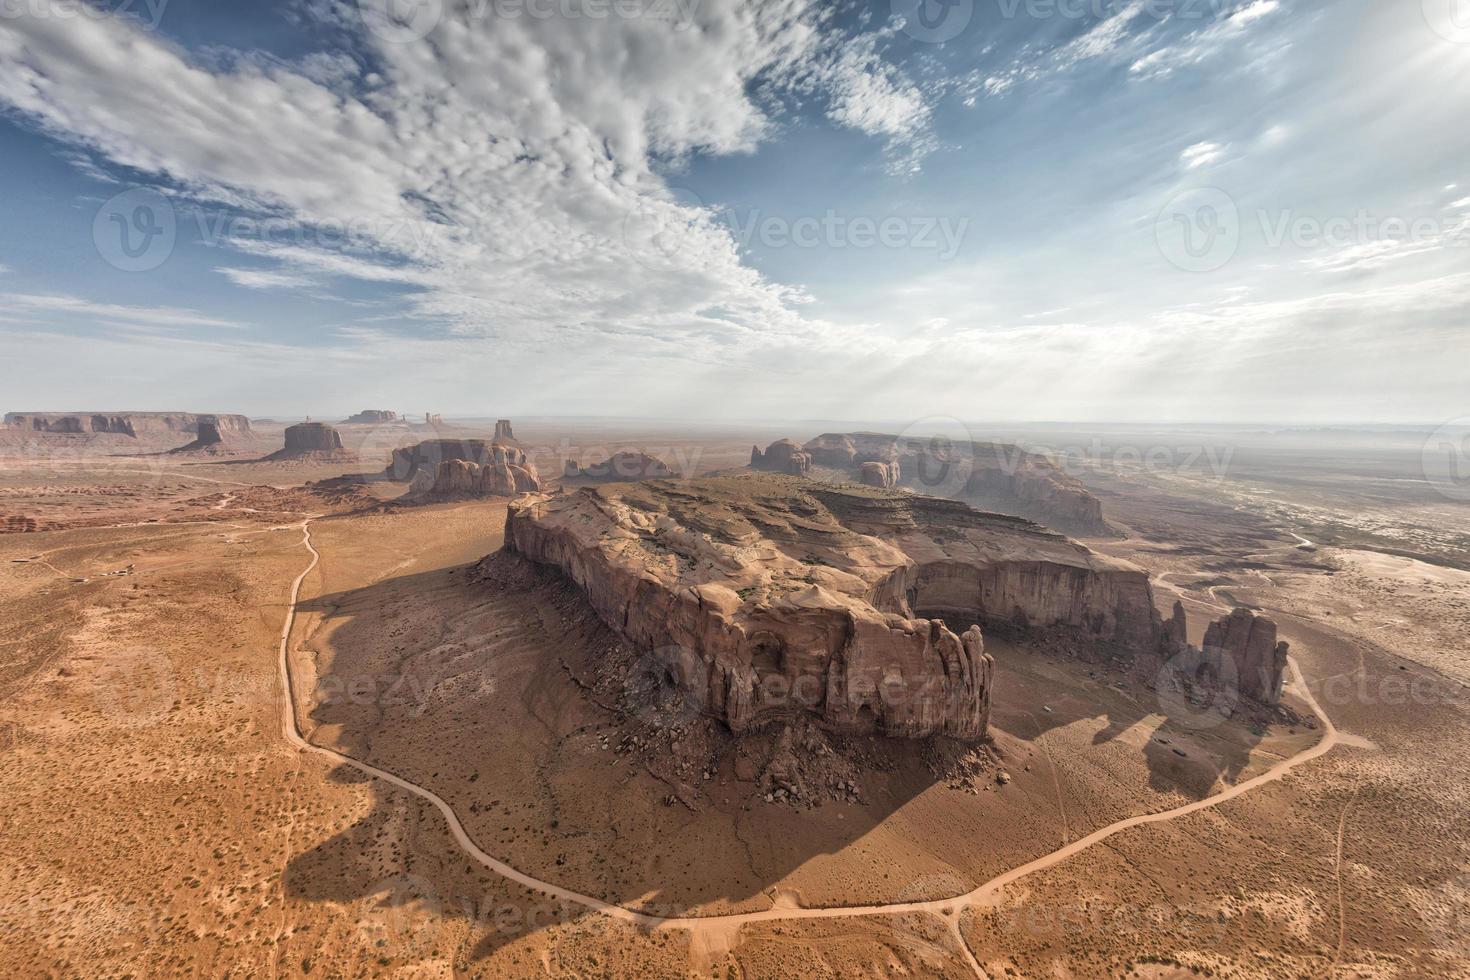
<point>172,805</point>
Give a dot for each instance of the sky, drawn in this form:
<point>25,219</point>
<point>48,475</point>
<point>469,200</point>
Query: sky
<point>1068,210</point>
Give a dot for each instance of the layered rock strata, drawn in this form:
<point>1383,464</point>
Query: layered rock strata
<point>374,416</point>
<point>620,467</point>
<point>768,596</point>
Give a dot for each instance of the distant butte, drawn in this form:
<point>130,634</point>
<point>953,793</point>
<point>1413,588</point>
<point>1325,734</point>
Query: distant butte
<point>997,477</point>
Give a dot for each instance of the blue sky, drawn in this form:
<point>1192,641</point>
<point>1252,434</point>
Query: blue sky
<point>1120,210</point>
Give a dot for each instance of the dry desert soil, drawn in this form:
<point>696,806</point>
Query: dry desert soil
<point>258,721</point>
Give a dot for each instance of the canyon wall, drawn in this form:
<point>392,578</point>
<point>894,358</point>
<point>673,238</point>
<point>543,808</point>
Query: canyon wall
<point>134,424</point>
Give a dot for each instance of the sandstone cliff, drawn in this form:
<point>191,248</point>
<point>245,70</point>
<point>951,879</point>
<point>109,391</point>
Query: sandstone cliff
<point>503,432</point>
<point>311,440</point>
<point>620,467</point>
<point>771,596</point>
<point>1001,478</point>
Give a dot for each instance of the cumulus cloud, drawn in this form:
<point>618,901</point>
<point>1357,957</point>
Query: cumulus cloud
<point>506,170</point>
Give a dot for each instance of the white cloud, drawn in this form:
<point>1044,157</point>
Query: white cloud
<point>263,279</point>
<point>507,171</point>
<point>1201,154</point>
<point>49,306</point>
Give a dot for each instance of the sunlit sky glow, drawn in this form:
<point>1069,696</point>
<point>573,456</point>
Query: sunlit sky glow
<point>1199,210</point>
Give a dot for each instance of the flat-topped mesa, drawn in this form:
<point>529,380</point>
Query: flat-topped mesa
<point>503,431</point>
<point>375,416</point>
<point>781,456</point>
<point>311,441</point>
<point>134,424</point>
<point>442,468</point>
<point>769,596</point>
<point>1001,478</point>
<point>620,467</point>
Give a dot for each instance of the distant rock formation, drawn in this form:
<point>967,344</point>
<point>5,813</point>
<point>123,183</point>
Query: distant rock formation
<point>444,468</point>
<point>781,456</point>
<point>620,467</point>
<point>1240,650</point>
<point>208,438</point>
<point>765,598</point>
<point>875,474</point>
<point>503,432</point>
<point>133,424</point>
<point>374,416</point>
<point>311,440</point>
<point>1000,478</point>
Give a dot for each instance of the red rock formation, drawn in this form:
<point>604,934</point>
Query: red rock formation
<point>1001,478</point>
<point>503,432</point>
<point>875,474</point>
<point>620,467</point>
<point>1258,659</point>
<point>781,456</point>
<point>765,595</point>
<point>375,416</point>
<point>207,439</point>
<point>440,468</point>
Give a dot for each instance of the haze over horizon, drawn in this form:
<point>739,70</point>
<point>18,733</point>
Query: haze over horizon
<point>1246,212</point>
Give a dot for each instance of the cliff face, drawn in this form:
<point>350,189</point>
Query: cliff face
<point>440,468</point>
<point>767,596</point>
<point>1258,659</point>
<point>135,424</point>
<point>1001,478</point>
<point>312,437</point>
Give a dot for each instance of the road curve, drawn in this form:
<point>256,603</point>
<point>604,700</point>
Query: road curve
<point>713,932</point>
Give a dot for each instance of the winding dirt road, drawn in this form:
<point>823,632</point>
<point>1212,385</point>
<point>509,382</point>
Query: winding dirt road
<point>713,935</point>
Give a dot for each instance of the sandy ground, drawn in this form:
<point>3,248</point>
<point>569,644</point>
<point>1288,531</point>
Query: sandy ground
<point>157,824</point>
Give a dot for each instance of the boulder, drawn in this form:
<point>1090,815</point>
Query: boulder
<point>766,598</point>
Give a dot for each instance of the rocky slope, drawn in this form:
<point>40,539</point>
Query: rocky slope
<point>767,597</point>
<point>1001,478</point>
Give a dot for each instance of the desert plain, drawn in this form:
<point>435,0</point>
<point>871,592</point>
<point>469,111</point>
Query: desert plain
<point>272,717</point>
